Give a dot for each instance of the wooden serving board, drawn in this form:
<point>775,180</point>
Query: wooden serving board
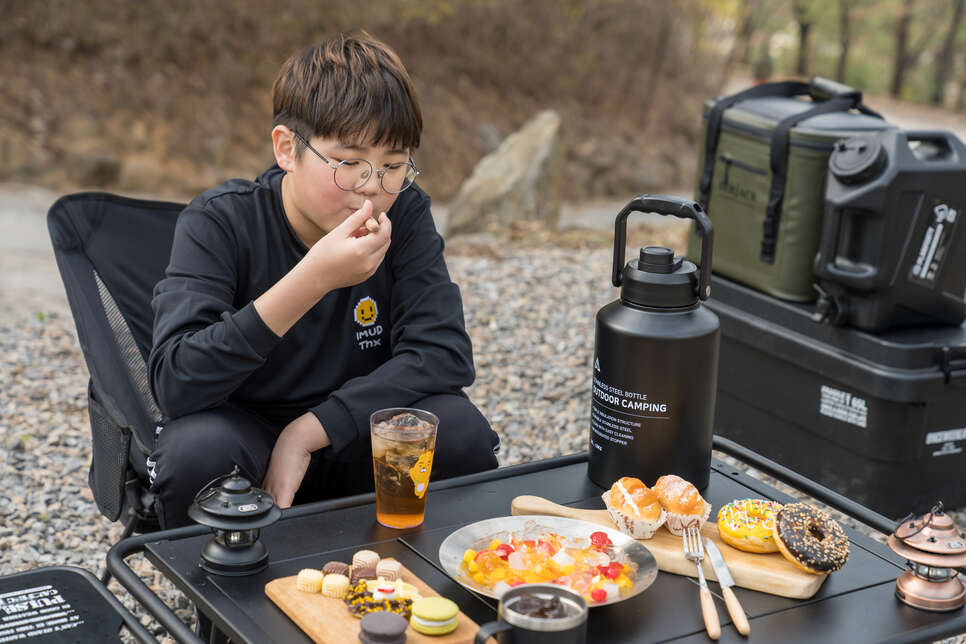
<point>768,573</point>
<point>328,621</point>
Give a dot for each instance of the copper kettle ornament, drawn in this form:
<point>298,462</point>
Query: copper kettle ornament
<point>934,547</point>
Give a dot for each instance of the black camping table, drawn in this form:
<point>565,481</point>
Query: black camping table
<point>856,604</point>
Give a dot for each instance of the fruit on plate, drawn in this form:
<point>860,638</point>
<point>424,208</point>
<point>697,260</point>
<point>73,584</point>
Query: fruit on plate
<point>587,566</point>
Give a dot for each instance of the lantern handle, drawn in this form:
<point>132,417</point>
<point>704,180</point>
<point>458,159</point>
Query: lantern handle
<point>936,509</point>
<point>211,487</point>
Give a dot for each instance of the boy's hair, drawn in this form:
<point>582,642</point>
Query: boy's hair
<point>354,89</point>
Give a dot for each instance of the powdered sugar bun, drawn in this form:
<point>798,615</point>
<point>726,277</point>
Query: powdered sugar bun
<point>682,502</point>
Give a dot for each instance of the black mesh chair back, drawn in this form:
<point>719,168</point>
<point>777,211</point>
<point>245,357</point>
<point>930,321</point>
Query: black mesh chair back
<point>111,251</point>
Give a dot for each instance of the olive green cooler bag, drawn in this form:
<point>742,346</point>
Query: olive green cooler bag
<point>764,188</point>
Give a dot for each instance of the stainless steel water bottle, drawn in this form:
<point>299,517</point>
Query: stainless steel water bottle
<point>655,360</point>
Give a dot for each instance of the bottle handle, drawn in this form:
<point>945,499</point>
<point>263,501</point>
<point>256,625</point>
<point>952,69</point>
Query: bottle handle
<point>948,147</point>
<point>666,205</point>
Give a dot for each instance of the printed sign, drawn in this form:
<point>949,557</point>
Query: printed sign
<point>33,612</point>
<point>843,406</point>
<point>947,440</point>
<point>934,245</point>
<point>616,415</point>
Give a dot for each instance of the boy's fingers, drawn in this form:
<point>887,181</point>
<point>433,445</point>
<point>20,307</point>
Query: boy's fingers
<point>384,232</point>
<point>358,219</point>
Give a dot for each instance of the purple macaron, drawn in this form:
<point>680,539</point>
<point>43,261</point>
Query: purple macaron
<point>383,627</point>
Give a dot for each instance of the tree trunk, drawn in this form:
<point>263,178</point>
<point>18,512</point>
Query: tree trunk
<point>901,59</point>
<point>845,35</point>
<point>804,29</point>
<point>657,66</point>
<point>945,63</point>
<point>747,26</point>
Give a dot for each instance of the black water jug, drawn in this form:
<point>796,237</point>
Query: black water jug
<point>891,248</point>
<point>655,360</point>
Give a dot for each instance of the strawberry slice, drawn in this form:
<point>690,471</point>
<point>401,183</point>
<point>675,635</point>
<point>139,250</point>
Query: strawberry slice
<point>612,571</point>
<point>545,548</point>
<point>598,594</point>
<point>503,550</point>
<point>600,539</point>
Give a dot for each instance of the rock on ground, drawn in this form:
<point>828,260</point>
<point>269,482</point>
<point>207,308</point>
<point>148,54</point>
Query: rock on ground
<point>519,181</point>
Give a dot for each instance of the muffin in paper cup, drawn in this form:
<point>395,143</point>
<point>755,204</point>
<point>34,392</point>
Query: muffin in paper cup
<point>629,508</point>
<point>684,505</point>
<point>678,523</point>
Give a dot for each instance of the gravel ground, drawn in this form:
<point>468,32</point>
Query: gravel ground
<point>529,301</point>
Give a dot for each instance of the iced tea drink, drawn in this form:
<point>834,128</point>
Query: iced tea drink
<point>403,441</point>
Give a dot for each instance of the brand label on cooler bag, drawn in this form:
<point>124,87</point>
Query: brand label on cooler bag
<point>617,414</point>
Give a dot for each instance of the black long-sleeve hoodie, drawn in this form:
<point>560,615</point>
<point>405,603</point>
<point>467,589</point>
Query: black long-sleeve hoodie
<point>389,341</point>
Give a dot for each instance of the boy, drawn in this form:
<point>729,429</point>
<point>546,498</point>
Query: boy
<point>296,305</point>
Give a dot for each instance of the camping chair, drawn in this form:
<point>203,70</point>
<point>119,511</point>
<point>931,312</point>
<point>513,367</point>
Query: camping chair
<point>111,251</point>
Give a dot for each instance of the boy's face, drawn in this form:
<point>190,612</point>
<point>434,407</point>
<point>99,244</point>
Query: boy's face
<point>319,204</point>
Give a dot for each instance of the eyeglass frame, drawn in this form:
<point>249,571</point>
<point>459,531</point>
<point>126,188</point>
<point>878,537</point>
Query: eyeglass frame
<point>379,173</point>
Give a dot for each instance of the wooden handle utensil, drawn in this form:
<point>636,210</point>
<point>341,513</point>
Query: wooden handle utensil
<point>710,614</point>
<point>528,504</point>
<point>737,613</point>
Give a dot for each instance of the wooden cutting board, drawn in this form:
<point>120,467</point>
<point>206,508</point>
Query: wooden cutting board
<point>327,620</point>
<point>768,573</point>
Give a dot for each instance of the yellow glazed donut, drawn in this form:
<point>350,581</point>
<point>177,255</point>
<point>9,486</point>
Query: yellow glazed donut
<point>748,524</point>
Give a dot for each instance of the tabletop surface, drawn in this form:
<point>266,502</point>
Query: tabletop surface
<point>856,604</point>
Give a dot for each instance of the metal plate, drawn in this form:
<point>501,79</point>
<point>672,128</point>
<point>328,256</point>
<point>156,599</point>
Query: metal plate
<point>478,535</point>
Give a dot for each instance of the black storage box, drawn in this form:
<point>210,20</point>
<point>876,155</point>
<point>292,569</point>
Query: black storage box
<point>879,418</point>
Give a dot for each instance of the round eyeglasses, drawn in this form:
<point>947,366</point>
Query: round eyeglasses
<point>352,174</point>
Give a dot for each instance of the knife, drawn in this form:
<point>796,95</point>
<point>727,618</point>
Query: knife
<point>726,582</point>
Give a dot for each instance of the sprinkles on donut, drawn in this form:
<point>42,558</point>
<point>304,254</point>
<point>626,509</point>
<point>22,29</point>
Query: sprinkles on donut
<point>810,538</point>
<point>748,524</point>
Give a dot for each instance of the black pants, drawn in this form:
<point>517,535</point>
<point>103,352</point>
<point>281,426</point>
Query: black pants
<point>193,450</point>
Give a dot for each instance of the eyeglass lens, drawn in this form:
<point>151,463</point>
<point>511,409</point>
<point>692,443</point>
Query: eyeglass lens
<point>353,173</point>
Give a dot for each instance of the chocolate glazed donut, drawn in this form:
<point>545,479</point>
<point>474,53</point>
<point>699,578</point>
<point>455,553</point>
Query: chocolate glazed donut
<point>810,538</point>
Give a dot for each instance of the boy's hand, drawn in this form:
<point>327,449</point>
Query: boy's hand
<point>350,253</point>
<point>290,457</point>
<point>346,256</point>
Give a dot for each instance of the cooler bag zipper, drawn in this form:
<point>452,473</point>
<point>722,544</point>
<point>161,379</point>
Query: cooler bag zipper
<point>729,161</point>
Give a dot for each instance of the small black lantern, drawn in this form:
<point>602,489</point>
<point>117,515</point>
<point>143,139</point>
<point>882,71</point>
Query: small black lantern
<point>236,511</point>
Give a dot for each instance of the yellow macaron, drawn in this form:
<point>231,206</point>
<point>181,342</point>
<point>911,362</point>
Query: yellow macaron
<point>434,616</point>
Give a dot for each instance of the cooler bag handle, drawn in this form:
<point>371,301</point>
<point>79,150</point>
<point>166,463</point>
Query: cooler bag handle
<point>778,158</point>
<point>785,89</point>
<point>823,91</point>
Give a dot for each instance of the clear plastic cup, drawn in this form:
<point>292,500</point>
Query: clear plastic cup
<point>403,441</point>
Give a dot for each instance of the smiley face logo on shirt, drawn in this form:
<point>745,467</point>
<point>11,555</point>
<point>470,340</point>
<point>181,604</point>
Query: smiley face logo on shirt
<point>366,312</point>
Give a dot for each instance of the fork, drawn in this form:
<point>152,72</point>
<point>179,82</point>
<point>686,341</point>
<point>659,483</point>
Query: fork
<point>694,551</point>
